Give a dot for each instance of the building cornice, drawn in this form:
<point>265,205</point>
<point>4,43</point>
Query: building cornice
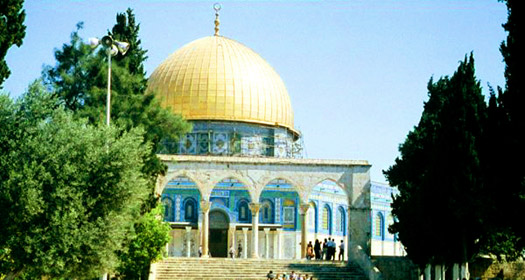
<point>262,160</point>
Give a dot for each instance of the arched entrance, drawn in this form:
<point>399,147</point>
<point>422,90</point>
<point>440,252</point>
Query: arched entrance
<point>218,237</point>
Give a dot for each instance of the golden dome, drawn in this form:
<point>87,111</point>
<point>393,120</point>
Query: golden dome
<point>216,78</point>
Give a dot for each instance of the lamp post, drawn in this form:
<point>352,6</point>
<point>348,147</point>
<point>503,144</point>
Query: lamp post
<point>112,48</point>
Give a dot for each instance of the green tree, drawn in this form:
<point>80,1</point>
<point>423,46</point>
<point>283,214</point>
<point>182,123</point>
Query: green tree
<point>12,31</point>
<point>69,191</point>
<point>505,234</point>
<point>439,173</point>
<point>79,79</point>
<point>150,234</point>
<point>127,30</point>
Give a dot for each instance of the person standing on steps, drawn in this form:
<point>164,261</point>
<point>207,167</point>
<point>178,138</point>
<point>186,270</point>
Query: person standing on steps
<point>317,249</point>
<point>325,250</point>
<point>239,250</point>
<point>232,251</point>
<point>342,251</point>
<point>334,248</point>
<point>309,250</point>
<point>331,249</point>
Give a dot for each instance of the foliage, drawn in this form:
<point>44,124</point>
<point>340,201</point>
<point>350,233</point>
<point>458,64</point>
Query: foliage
<point>127,30</point>
<point>439,173</point>
<point>151,233</point>
<point>69,191</point>
<point>505,145</point>
<point>12,31</point>
<point>79,79</point>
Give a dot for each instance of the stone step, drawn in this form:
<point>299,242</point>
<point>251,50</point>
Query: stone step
<point>257,271</point>
<point>256,278</point>
<point>239,261</point>
<point>247,269</point>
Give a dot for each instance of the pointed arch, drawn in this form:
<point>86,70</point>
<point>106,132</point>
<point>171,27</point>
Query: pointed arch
<point>182,175</point>
<point>232,182</point>
<point>279,192</point>
<point>282,182</point>
<point>332,184</point>
<point>266,212</point>
<point>327,219</point>
<point>190,209</point>
<point>244,214</point>
<point>167,203</point>
<point>313,217</point>
<point>340,220</point>
<point>379,224</point>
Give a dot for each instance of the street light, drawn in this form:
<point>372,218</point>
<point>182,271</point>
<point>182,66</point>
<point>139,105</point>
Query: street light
<point>112,48</point>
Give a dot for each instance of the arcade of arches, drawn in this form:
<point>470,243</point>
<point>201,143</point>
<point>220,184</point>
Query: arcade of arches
<point>267,207</point>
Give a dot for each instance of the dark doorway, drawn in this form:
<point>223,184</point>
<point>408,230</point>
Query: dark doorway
<point>218,235</point>
<point>218,243</point>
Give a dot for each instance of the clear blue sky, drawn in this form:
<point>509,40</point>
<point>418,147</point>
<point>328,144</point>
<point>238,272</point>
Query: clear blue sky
<point>356,71</point>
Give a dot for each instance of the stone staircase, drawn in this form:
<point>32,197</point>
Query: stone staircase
<point>244,269</point>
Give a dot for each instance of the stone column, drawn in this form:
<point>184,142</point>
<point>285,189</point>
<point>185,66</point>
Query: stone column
<point>245,245</point>
<point>188,241</point>
<point>438,272</point>
<point>279,232</point>
<point>464,273</point>
<point>254,207</point>
<point>357,187</point>
<point>205,208</point>
<point>231,239</point>
<point>428,272</point>
<point>303,212</point>
<point>275,249</point>
<point>267,243</point>
<point>455,271</point>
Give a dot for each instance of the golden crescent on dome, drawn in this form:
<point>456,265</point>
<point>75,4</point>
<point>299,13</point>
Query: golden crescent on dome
<point>217,7</point>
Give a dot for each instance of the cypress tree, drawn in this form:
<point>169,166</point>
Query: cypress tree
<point>504,149</point>
<point>439,173</point>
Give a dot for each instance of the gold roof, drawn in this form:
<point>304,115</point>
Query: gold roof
<point>216,78</point>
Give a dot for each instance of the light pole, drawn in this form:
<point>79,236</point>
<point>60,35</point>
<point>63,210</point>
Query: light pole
<point>112,48</point>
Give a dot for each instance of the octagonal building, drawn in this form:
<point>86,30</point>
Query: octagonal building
<point>238,179</point>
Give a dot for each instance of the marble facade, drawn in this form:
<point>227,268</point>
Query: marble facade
<point>288,233</point>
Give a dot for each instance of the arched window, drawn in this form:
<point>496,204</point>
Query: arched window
<point>312,219</point>
<point>190,210</point>
<point>340,220</point>
<point>243,211</point>
<point>266,212</point>
<point>379,223</point>
<point>327,218</point>
<point>168,209</point>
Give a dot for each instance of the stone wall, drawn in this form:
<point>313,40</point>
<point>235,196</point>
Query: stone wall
<point>178,243</point>
<point>401,268</point>
<point>396,268</point>
<point>486,268</point>
<point>387,248</point>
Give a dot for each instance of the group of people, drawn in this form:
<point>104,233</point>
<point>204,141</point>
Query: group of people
<point>325,250</point>
<point>284,276</point>
<point>235,254</point>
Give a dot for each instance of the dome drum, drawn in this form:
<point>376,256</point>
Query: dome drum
<point>235,139</point>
